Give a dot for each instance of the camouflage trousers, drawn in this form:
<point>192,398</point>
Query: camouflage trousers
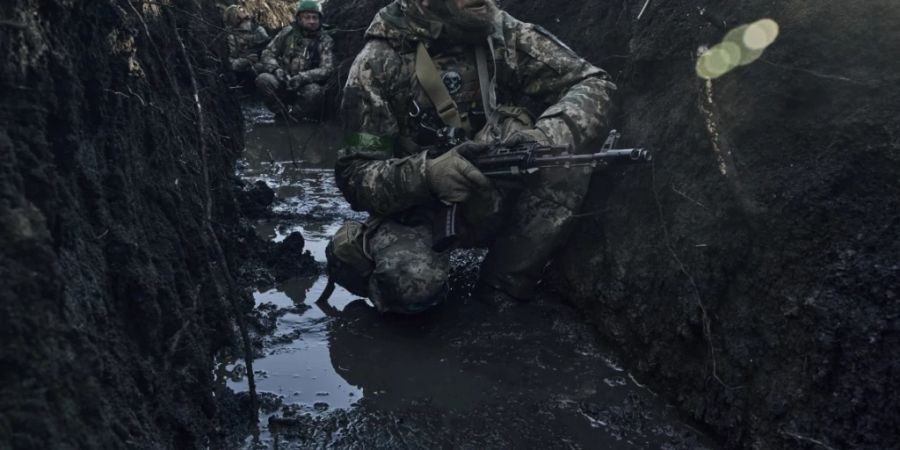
<point>521,228</point>
<point>305,102</point>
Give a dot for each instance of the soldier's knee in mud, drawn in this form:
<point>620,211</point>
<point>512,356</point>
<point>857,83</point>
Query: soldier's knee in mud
<point>402,285</point>
<point>266,83</point>
<point>312,91</point>
<point>348,264</point>
<point>407,289</point>
<point>310,98</point>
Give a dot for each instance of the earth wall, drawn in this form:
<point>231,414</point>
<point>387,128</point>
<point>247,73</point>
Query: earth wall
<point>117,149</point>
<point>750,274</point>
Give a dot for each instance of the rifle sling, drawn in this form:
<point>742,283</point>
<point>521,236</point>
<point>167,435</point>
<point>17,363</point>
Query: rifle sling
<point>488,96</point>
<point>431,82</point>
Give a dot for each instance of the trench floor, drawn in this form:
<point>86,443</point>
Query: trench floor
<point>460,376</point>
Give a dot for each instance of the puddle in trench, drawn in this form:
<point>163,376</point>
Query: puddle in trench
<point>296,162</point>
<point>459,376</point>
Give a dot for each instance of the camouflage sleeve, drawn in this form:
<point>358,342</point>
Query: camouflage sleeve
<point>232,51</point>
<point>232,46</point>
<point>577,92</point>
<point>260,35</point>
<point>270,54</point>
<point>322,73</point>
<point>367,173</point>
<point>236,60</point>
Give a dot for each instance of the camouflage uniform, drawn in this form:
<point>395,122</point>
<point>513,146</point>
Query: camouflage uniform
<point>308,57</point>
<point>382,168</point>
<point>243,48</point>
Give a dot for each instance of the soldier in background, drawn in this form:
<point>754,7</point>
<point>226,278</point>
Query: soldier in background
<point>244,42</point>
<point>297,64</point>
<point>463,64</point>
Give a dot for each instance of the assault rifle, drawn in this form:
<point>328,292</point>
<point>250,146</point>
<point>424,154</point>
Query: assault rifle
<point>501,161</point>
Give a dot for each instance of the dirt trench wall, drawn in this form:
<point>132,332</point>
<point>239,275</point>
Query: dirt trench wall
<point>750,275</point>
<point>113,186</point>
<point>349,20</point>
<point>273,15</point>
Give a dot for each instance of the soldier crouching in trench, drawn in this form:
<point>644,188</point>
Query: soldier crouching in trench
<point>244,43</point>
<point>298,62</point>
<point>476,63</point>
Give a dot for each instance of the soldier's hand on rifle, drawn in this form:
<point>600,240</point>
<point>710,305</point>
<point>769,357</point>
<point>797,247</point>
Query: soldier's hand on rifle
<point>297,81</point>
<point>532,135</point>
<point>452,178</point>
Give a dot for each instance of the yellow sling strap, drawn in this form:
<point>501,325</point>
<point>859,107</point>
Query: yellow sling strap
<point>431,82</point>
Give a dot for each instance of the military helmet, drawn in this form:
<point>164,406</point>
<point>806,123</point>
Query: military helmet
<point>234,14</point>
<point>309,6</point>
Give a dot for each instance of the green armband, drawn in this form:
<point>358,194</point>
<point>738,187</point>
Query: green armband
<point>369,145</point>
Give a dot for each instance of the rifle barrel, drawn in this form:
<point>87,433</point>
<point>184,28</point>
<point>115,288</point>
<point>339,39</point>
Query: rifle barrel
<point>638,155</point>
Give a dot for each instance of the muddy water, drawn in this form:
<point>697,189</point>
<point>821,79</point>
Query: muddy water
<point>460,376</point>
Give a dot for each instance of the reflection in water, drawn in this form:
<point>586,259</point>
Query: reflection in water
<point>461,357</point>
<point>296,288</point>
<point>457,376</point>
<point>310,145</point>
<point>397,363</point>
<point>296,363</point>
<point>296,162</point>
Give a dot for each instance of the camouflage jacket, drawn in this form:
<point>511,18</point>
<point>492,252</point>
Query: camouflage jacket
<point>381,169</point>
<point>294,52</point>
<point>246,44</point>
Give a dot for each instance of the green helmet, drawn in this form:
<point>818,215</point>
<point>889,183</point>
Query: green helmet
<point>309,6</point>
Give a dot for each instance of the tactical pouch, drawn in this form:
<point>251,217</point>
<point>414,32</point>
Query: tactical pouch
<point>348,263</point>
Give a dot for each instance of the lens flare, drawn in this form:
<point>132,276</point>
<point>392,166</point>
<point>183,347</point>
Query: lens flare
<point>733,53</point>
<point>741,46</point>
<point>760,34</point>
<point>701,69</point>
<point>715,62</point>
<point>736,35</point>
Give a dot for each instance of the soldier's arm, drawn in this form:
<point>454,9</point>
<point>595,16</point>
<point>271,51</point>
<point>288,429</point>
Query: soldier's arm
<point>270,54</point>
<point>367,173</point>
<point>236,60</point>
<point>577,92</point>
<point>322,73</point>
<point>260,41</point>
<point>260,35</point>
<point>232,45</point>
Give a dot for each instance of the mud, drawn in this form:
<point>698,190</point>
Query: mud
<point>115,198</point>
<point>461,376</point>
<point>750,275</point>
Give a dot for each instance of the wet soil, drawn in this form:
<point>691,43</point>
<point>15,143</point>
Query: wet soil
<point>751,274</point>
<point>460,376</point>
<point>115,204</point>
